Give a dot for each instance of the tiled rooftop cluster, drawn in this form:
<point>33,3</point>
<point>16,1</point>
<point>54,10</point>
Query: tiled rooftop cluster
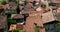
<point>28,13</point>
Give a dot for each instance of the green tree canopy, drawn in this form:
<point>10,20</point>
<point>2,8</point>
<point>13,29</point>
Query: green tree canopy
<point>3,2</point>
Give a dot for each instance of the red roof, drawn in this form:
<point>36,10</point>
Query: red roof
<point>6,7</point>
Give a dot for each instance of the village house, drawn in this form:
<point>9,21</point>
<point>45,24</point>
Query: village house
<point>12,5</point>
<point>18,17</point>
<point>5,7</point>
<point>44,21</point>
<point>31,15</point>
<point>15,26</point>
<point>10,8</point>
<point>34,18</point>
<point>3,22</point>
<point>20,22</point>
<point>47,21</point>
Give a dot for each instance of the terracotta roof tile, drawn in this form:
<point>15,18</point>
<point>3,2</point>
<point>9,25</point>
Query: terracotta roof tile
<point>30,23</point>
<point>17,16</point>
<point>5,7</point>
<point>57,16</point>
<point>29,7</point>
<point>1,6</point>
<point>47,17</point>
<point>56,1</point>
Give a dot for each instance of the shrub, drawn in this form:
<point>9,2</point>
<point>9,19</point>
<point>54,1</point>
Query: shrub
<point>11,21</point>
<point>36,28</point>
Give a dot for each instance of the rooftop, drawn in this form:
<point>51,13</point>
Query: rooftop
<point>17,16</point>
<point>3,19</point>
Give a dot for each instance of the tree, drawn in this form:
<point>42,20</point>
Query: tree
<point>3,2</point>
<point>11,21</point>
<point>18,10</point>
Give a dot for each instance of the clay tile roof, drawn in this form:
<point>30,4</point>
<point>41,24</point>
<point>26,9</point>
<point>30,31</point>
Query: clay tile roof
<point>21,7</point>
<point>23,12</point>
<point>56,1</point>
<point>6,7</point>
<point>57,17</point>
<point>1,6</point>
<point>17,16</point>
<point>33,0</point>
<point>12,5</point>
<point>47,17</point>
<point>34,13</point>
<point>3,21</point>
<point>37,0</point>
<point>33,19</point>
<point>29,7</point>
<point>30,0</point>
